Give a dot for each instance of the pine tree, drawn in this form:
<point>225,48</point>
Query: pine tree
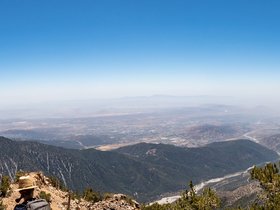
<point>269,179</point>
<point>190,200</point>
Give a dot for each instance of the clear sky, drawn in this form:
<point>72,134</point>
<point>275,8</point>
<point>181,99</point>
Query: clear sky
<point>63,49</point>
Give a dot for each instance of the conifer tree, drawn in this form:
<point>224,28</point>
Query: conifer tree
<point>190,200</point>
<point>269,179</point>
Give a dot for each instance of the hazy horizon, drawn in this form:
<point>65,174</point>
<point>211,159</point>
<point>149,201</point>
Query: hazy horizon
<point>58,52</point>
<point>131,105</point>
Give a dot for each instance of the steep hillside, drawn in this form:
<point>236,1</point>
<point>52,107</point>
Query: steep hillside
<point>211,133</point>
<point>143,171</point>
<point>78,169</point>
<point>214,160</point>
<point>272,142</point>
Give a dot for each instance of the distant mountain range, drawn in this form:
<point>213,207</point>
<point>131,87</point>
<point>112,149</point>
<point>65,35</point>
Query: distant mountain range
<point>99,107</point>
<point>212,133</point>
<point>143,170</point>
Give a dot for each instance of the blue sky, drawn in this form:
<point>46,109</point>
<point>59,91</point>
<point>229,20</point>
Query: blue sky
<point>59,50</point>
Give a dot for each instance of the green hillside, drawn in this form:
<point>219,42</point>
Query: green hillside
<point>143,171</point>
<point>213,160</point>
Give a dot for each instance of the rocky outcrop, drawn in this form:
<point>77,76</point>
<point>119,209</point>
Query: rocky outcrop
<point>117,202</point>
<point>59,199</point>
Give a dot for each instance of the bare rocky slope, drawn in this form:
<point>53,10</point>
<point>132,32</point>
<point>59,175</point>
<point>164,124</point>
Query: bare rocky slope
<point>59,199</point>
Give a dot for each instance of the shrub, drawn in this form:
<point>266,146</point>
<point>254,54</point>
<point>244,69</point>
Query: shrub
<point>2,206</point>
<point>90,195</point>
<point>57,183</point>
<point>46,196</point>
<point>19,174</point>
<point>5,186</point>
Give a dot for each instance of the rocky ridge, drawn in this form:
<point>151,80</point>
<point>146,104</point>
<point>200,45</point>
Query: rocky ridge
<point>59,198</point>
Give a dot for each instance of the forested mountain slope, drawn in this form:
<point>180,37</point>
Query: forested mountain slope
<point>144,170</point>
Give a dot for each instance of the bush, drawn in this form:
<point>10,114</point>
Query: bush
<point>19,174</point>
<point>2,206</point>
<point>157,206</point>
<point>46,196</point>
<point>76,195</point>
<point>5,186</point>
<point>90,195</point>
<point>107,195</point>
<point>57,183</point>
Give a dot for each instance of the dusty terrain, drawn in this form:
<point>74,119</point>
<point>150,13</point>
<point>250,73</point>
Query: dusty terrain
<point>59,199</point>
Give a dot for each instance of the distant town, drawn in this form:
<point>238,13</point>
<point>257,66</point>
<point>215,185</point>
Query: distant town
<point>186,127</point>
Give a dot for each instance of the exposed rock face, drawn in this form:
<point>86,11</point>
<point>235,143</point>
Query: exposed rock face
<point>117,202</point>
<point>59,199</point>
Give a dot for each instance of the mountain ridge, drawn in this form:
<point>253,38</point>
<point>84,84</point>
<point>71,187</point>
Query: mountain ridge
<point>113,171</point>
